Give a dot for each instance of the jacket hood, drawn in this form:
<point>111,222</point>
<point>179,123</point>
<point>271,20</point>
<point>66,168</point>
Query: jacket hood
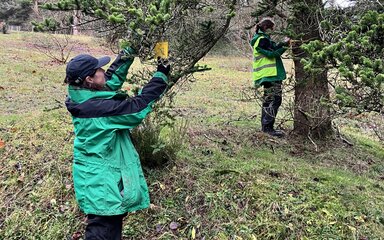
<point>256,36</point>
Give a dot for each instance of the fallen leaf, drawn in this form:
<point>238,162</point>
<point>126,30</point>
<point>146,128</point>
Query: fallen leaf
<point>159,228</point>
<point>359,219</point>
<point>353,229</point>
<point>153,206</point>
<point>53,201</point>
<point>21,178</point>
<point>241,185</point>
<point>76,236</point>
<point>173,225</point>
<point>2,144</point>
<point>193,233</point>
<point>63,208</point>
<point>326,212</point>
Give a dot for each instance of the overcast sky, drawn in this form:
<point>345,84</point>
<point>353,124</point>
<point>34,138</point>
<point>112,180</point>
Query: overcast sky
<point>343,3</point>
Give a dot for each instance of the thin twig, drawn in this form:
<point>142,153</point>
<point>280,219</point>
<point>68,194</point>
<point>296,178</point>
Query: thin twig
<point>316,147</point>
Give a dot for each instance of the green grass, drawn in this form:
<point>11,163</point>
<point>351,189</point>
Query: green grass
<point>229,181</point>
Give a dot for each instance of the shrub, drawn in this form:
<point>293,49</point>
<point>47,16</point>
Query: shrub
<point>157,141</point>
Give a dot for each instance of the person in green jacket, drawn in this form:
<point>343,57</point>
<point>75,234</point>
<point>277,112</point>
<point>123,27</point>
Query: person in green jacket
<point>108,178</point>
<point>269,72</point>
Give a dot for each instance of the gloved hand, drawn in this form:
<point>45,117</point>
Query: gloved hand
<point>163,66</point>
<point>287,41</point>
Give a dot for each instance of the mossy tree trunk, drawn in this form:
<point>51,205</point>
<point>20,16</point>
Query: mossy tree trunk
<point>312,116</point>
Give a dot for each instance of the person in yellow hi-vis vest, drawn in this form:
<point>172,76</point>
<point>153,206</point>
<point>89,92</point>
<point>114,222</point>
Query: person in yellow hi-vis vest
<point>269,72</point>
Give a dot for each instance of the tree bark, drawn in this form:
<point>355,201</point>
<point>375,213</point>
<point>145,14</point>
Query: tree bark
<point>35,7</point>
<point>311,115</point>
<point>75,30</point>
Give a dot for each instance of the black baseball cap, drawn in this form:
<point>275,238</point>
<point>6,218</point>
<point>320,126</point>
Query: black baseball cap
<point>82,66</point>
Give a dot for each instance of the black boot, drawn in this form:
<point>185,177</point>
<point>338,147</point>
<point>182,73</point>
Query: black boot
<point>275,133</point>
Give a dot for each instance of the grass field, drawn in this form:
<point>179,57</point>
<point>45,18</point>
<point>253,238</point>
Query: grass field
<point>229,180</point>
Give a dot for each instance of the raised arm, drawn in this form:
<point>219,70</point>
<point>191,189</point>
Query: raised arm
<point>265,47</point>
<point>116,74</point>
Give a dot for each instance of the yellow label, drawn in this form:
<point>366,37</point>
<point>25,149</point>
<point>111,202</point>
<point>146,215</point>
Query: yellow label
<point>161,50</point>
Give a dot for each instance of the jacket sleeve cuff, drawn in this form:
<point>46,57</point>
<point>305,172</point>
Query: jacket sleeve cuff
<point>282,44</point>
<point>129,51</point>
<point>281,50</point>
<point>161,75</point>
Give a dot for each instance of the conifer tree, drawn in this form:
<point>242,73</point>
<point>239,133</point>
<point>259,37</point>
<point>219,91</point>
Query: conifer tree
<point>356,51</point>
<point>312,117</point>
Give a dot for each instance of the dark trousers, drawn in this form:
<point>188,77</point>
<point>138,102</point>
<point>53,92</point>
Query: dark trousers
<point>271,102</point>
<point>104,227</point>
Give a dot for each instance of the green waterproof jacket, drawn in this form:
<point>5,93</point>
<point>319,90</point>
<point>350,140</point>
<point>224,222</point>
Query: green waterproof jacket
<point>108,178</point>
<point>270,49</point>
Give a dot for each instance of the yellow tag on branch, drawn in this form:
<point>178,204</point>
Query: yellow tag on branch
<point>161,50</point>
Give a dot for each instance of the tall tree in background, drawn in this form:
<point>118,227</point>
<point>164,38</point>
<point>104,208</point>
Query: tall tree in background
<point>311,112</point>
<point>68,19</point>
<point>15,12</point>
<point>35,7</point>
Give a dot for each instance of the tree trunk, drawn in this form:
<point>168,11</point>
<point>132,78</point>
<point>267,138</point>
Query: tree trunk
<point>75,30</point>
<point>311,115</point>
<point>35,7</point>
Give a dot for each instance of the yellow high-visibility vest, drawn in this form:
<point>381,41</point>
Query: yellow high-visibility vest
<point>262,65</point>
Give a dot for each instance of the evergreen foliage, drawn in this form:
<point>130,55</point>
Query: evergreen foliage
<point>15,12</point>
<point>191,27</point>
<point>357,53</point>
